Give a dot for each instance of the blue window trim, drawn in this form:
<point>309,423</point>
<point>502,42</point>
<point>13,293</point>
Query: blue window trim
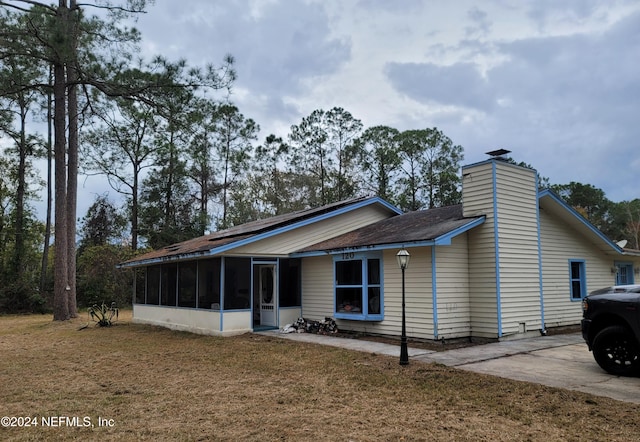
<point>629,266</point>
<point>362,257</point>
<point>582,279</point>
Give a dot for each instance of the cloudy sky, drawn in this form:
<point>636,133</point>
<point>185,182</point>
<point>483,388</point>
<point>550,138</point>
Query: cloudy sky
<point>557,82</point>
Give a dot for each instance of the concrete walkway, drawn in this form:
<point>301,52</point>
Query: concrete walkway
<point>562,361</point>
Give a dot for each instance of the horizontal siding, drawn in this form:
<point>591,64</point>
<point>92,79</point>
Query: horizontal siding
<point>418,299</point>
<point>318,302</point>
<point>517,200</point>
<point>418,295</point>
<point>560,243</point>
<point>317,287</point>
<point>452,279</point>
<point>477,196</point>
<point>482,281</point>
<point>294,240</point>
<point>516,211</point>
<point>477,189</point>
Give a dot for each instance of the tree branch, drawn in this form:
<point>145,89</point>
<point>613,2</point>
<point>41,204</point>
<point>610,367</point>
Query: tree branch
<point>113,8</point>
<point>30,2</point>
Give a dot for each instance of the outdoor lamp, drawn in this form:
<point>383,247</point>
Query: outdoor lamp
<point>403,259</point>
<point>403,262</point>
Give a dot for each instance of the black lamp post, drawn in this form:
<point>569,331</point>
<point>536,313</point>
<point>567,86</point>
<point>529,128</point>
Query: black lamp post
<point>403,262</point>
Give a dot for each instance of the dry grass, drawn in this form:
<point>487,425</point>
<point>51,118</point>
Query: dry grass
<point>158,384</point>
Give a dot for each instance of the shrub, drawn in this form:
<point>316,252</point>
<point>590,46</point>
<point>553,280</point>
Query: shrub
<point>19,297</point>
<point>99,279</point>
<point>103,315</point>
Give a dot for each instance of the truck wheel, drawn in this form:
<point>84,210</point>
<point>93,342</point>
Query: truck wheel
<point>616,351</point>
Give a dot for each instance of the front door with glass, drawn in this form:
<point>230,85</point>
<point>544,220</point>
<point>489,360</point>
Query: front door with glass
<point>267,294</point>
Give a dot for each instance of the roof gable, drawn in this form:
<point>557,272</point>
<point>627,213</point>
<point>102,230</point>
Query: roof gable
<point>423,227</point>
<point>228,239</point>
<point>556,206</point>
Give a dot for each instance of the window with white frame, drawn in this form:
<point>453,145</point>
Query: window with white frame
<point>578,279</point>
<point>358,287</point>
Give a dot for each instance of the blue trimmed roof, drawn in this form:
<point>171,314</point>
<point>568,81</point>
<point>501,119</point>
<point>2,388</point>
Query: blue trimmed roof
<point>423,227</point>
<point>229,239</point>
<point>555,205</point>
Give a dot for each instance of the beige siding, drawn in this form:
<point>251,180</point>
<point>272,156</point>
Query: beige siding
<point>289,242</point>
<point>560,244</point>
<point>452,279</point>
<point>288,315</point>
<point>477,198</point>
<point>477,189</point>
<point>418,295</point>
<point>517,201</point>
<point>317,287</point>
<point>318,302</point>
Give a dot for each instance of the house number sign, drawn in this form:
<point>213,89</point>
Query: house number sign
<point>348,255</point>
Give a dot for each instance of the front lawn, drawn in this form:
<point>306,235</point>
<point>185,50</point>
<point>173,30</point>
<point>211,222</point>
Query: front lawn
<point>133,382</point>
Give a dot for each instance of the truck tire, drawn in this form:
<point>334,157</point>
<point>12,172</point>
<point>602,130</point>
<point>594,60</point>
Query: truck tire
<point>616,351</point>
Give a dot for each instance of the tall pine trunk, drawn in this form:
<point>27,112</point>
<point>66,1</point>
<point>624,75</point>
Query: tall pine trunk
<point>47,231</point>
<point>134,211</point>
<point>72,166</point>
<point>19,251</point>
<point>60,286</point>
<point>72,191</point>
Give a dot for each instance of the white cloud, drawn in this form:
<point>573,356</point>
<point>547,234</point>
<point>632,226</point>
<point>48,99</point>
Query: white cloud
<point>558,83</point>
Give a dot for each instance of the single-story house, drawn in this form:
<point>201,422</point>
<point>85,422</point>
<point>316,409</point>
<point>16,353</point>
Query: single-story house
<point>510,261</point>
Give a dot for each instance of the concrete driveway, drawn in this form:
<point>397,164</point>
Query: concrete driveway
<point>562,361</point>
<point>558,361</point>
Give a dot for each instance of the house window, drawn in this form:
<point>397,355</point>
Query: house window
<point>624,273</point>
<point>358,287</point>
<point>577,279</point>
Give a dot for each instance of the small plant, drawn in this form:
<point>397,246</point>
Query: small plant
<point>103,315</point>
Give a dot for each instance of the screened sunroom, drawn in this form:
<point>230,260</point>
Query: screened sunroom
<point>220,295</point>
<point>243,278</point>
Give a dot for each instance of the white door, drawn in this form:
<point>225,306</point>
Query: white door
<point>267,291</point>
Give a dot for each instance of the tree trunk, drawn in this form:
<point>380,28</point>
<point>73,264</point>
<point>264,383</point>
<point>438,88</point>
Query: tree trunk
<point>18,262</point>
<point>72,165</point>
<point>72,190</point>
<point>134,210</point>
<point>47,232</point>
<point>60,286</point>
<point>168,203</point>
<point>225,184</point>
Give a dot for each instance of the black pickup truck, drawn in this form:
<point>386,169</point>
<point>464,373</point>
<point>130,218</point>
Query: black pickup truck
<point>611,327</point>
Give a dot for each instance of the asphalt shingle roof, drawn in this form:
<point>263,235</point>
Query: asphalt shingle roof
<point>206,243</point>
<point>421,225</point>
